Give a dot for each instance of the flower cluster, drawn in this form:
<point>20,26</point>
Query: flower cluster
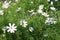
<point>12,28</point>
<point>50,21</point>
<point>6,4</point>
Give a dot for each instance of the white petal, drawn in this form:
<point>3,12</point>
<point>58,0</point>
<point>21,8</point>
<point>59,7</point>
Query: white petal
<point>51,2</point>
<point>8,30</point>
<point>39,11</point>
<point>9,24</point>
<point>13,24</point>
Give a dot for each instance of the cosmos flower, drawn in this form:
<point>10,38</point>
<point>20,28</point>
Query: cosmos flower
<point>53,8</point>
<point>1,12</point>
<point>50,21</point>
<point>6,4</point>
<point>11,28</point>
<point>31,29</point>
<point>39,11</point>
<point>41,6</point>
<point>23,23</point>
<point>33,13</point>
<point>45,14</point>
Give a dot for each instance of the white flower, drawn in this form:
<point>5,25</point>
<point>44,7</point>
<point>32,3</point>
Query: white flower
<point>18,9</point>
<point>11,28</point>
<point>23,23</point>
<point>6,4</point>
<point>31,29</point>
<point>51,2</point>
<point>45,14</point>
<point>41,6</point>
<point>50,21</point>
<point>1,12</point>
<point>39,11</point>
<point>53,8</point>
<point>33,13</point>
